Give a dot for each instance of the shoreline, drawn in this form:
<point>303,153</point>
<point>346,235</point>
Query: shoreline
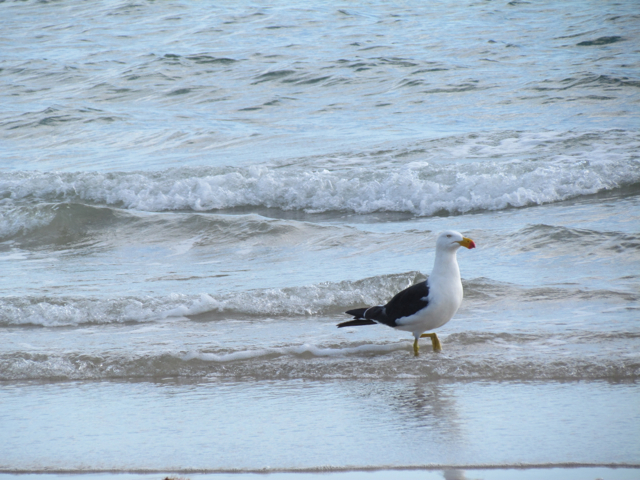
<point>513,472</point>
<point>316,470</point>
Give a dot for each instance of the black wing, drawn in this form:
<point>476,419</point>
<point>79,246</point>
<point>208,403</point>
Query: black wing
<point>404,304</point>
<point>408,301</point>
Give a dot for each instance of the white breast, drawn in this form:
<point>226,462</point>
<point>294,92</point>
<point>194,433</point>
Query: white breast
<point>445,297</point>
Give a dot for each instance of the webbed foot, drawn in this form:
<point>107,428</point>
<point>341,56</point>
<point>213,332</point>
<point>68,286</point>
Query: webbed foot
<point>437,347</point>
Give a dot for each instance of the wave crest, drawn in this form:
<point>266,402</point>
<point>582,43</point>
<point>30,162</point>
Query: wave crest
<point>418,188</point>
<point>325,298</point>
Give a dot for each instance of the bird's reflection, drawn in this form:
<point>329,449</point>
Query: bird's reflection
<point>424,406</point>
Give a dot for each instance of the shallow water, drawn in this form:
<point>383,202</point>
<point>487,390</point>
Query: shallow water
<point>192,195</point>
<point>175,425</point>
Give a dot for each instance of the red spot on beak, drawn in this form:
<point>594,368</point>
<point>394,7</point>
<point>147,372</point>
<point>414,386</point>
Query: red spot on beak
<point>467,242</point>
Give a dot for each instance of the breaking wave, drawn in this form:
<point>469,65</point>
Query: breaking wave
<point>418,188</point>
<point>315,300</point>
<point>320,299</point>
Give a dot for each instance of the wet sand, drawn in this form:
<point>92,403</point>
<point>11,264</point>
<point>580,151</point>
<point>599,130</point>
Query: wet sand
<point>529,472</point>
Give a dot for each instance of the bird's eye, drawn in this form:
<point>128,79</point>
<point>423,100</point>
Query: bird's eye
<point>448,236</point>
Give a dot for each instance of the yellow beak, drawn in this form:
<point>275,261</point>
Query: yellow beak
<point>467,242</point>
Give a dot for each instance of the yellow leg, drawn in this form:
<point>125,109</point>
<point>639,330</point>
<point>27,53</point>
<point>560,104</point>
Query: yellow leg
<point>416,348</point>
<point>434,341</point>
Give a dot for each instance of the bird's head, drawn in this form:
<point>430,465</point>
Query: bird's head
<point>451,240</point>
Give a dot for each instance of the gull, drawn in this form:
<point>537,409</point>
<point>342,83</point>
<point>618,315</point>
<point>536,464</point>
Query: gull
<point>426,305</point>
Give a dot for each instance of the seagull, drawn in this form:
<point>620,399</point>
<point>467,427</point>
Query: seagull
<point>426,305</point>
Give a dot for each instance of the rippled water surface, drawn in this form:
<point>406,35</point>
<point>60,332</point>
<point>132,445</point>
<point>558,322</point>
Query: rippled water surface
<point>191,195</point>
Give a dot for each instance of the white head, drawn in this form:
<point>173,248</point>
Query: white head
<point>451,241</point>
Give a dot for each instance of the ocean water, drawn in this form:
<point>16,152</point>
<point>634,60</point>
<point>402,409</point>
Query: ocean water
<point>191,195</point>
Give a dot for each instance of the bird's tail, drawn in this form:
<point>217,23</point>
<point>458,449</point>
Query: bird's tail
<point>359,319</point>
<point>356,323</point>
<point>357,312</point>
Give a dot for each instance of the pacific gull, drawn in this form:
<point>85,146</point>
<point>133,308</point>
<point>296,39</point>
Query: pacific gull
<point>426,305</point>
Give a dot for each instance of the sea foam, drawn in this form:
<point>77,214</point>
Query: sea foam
<point>530,360</point>
<point>419,188</point>
<point>325,298</point>
<point>314,300</point>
